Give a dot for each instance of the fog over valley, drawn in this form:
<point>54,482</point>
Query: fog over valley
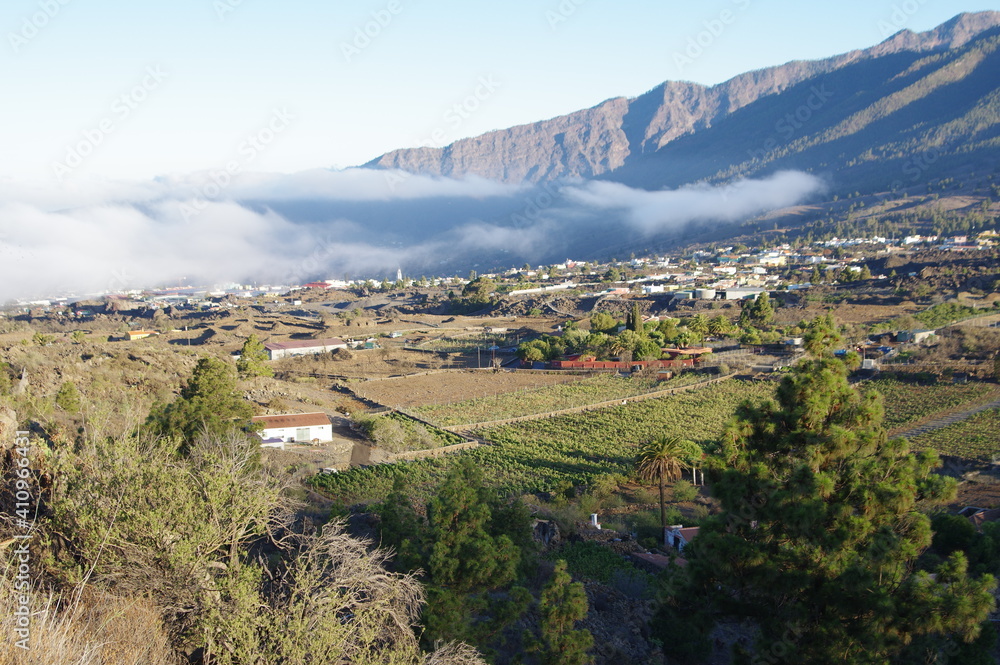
<point>201,228</point>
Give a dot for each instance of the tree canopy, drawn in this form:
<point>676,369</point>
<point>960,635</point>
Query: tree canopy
<point>253,359</point>
<point>208,403</point>
<point>820,530</point>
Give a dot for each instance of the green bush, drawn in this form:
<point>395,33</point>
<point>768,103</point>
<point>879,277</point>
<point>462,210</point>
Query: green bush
<point>684,491</point>
<point>590,560</point>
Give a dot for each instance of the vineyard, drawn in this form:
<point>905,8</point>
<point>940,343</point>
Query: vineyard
<point>977,438</point>
<point>536,455</point>
<point>600,388</point>
<point>468,343</point>
<point>908,403</point>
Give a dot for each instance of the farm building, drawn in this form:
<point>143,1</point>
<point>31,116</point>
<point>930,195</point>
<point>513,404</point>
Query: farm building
<point>303,347</point>
<point>678,537</point>
<point>740,294</point>
<point>914,336</point>
<point>141,334</point>
<point>294,427</point>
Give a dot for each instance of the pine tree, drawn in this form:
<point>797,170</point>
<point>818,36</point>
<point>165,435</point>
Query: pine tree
<point>822,336</point>
<point>253,359</point>
<point>464,555</point>
<point>68,397</point>
<point>469,555</point>
<point>402,528</point>
<point>820,529</point>
<point>762,310</point>
<point>208,403</point>
<point>562,605</point>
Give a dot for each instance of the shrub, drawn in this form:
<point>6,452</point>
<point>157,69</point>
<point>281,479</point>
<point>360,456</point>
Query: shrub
<point>606,484</point>
<point>590,560</point>
<point>684,491</point>
<point>643,495</point>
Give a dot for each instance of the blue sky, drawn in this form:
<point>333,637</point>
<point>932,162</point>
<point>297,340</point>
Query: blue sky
<point>146,89</point>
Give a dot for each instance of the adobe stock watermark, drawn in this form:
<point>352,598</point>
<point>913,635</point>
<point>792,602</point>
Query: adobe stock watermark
<point>713,29</point>
<point>900,16</point>
<point>453,118</point>
<point>32,26</point>
<point>913,170</point>
<point>24,524</point>
<point>324,248</point>
<point>248,149</point>
<point>224,8</point>
<point>120,280</point>
<point>786,127</point>
<point>365,34</point>
<point>534,206</point>
<point>123,106</point>
<point>562,12</point>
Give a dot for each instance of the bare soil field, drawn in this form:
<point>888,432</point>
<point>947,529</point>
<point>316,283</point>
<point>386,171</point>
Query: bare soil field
<point>445,387</point>
<point>390,361</point>
<point>845,312</point>
<point>979,489</point>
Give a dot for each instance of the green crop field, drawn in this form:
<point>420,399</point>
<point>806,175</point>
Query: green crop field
<point>909,403</point>
<point>592,390</point>
<point>977,438</point>
<point>536,455</point>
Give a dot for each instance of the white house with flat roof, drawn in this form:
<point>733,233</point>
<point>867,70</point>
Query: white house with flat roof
<point>303,347</point>
<point>294,428</point>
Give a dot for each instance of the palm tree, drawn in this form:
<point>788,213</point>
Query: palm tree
<point>660,459</point>
<point>719,326</point>
<point>698,323</point>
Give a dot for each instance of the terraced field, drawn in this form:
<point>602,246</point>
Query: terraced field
<point>907,404</point>
<point>592,390</point>
<point>975,438</point>
<point>537,455</point>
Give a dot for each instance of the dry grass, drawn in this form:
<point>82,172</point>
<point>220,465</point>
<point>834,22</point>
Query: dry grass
<point>83,628</point>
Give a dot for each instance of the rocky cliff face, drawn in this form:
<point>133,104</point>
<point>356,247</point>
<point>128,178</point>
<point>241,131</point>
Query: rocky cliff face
<point>620,132</point>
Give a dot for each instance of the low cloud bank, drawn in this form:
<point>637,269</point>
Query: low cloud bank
<point>97,236</point>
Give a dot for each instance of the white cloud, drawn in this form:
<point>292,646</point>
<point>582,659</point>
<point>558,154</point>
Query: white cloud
<point>652,211</point>
<point>101,236</point>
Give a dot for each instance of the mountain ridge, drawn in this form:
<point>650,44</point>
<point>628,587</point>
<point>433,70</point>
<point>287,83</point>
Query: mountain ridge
<point>613,138</point>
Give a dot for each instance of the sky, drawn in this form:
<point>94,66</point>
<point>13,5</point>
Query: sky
<point>123,89</point>
<point>148,144</point>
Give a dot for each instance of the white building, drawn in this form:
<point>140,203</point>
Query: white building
<point>741,294</point>
<point>678,537</point>
<point>303,347</point>
<point>294,427</point>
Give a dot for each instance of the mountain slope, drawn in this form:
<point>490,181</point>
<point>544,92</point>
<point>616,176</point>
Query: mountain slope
<point>848,114</point>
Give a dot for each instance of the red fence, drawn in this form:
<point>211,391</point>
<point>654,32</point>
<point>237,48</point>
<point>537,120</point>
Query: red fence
<point>614,364</point>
